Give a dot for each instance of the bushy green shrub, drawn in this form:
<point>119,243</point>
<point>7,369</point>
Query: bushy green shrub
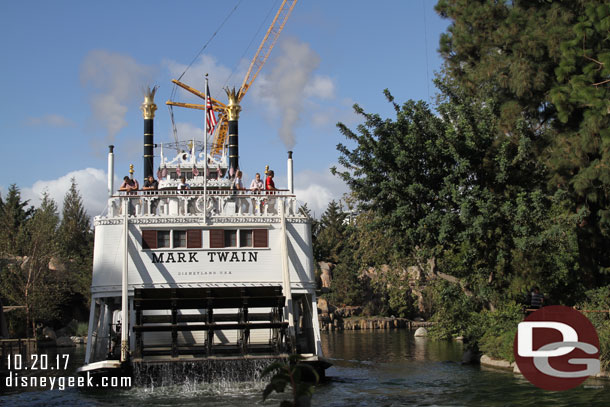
<point>455,312</point>
<point>491,332</point>
<point>599,300</point>
<point>498,330</point>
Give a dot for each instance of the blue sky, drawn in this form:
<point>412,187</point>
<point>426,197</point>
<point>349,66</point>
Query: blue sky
<point>72,75</point>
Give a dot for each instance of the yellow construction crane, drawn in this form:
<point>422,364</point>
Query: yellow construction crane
<point>264,49</point>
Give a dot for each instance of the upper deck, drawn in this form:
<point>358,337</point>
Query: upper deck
<point>211,206</point>
<point>202,238</point>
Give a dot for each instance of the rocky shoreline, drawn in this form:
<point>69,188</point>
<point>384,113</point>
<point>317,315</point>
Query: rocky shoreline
<point>351,318</point>
<point>512,366</point>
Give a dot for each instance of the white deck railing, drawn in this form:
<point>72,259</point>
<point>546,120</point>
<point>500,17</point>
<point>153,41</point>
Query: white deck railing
<point>193,202</point>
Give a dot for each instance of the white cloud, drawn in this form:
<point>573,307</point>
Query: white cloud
<point>92,183</point>
<point>114,81</point>
<point>50,120</point>
<point>188,131</point>
<point>318,188</point>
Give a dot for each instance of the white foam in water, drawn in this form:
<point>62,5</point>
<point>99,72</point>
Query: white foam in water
<point>207,377</point>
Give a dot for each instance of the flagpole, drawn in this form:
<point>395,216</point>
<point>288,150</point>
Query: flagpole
<point>205,154</point>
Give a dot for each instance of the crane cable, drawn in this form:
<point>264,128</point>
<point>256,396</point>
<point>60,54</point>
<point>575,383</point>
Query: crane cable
<point>173,94</point>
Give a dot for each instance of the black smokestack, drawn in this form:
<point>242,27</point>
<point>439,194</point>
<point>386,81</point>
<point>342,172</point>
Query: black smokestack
<point>233,146</point>
<point>233,110</point>
<point>148,147</point>
<point>148,112</point>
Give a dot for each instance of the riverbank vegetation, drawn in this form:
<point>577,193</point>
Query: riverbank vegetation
<point>45,261</point>
<point>503,185</point>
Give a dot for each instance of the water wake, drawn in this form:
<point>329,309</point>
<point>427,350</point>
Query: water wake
<point>215,376</point>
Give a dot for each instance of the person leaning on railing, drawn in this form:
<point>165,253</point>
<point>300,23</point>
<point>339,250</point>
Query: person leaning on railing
<point>257,185</point>
<point>238,184</point>
<point>269,184</point>
<point>129,184</point>
<point>150,184</point>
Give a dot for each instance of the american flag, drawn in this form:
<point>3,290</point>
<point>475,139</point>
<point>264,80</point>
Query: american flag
<point>211,119</point>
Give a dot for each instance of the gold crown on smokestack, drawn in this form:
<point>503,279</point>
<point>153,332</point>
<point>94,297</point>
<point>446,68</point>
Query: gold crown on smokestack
<point>233,107</point>
<point>148,107</point>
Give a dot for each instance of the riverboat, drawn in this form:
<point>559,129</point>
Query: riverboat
<point>200,274</point>
<point>210,276</point>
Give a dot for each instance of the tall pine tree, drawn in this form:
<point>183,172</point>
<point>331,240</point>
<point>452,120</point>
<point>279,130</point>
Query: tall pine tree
<point>76,244</point>
<point>14,213</point>
<point>75,228</point>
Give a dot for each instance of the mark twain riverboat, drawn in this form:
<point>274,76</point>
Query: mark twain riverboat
<point>217,279</point>
<point>206,274</point>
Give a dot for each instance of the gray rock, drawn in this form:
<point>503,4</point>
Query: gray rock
<point>78,340</point>
<point>421,332</point>
<point>503,364</point>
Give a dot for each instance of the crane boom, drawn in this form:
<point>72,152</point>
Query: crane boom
<point>264,49</point>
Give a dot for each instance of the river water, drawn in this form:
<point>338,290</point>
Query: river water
<point>379,368</point>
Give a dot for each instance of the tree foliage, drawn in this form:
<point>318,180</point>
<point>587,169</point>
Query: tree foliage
<point>27,280</point>
<point>452,186</point>
<point>545,65</point>
<point>76,244</point>
<point>45,263</point>
<point>14,213</point>
<point>332,233</point>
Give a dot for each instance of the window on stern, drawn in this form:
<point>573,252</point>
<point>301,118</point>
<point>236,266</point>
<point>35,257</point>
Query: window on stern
<point>163,238</point>
<point>193,239</point>
<point>149,239</point>
<point>230,238</point>
<point>245,238</point>
<point>179,238</point>
<point>260,238</point>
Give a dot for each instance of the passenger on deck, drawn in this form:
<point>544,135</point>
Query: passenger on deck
<point>269,184</point>
<point>238,184</point>
<point>183,184</point>
<point>129,184</point>
<point>257,185</point>
<point>150,184</point>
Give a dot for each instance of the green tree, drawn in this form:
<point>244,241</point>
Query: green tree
<point>545,65</point>
<point>580,156</point>
<point>14,213</point>
<point>507,50</point>
<point>332,233</point>
<point>76,244</point>
<point>451,186</point>
<point>28,281</point>
<point>75,227</point>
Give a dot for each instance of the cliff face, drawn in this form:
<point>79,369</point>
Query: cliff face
<point>378,284</point>
<point>351,318</point>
